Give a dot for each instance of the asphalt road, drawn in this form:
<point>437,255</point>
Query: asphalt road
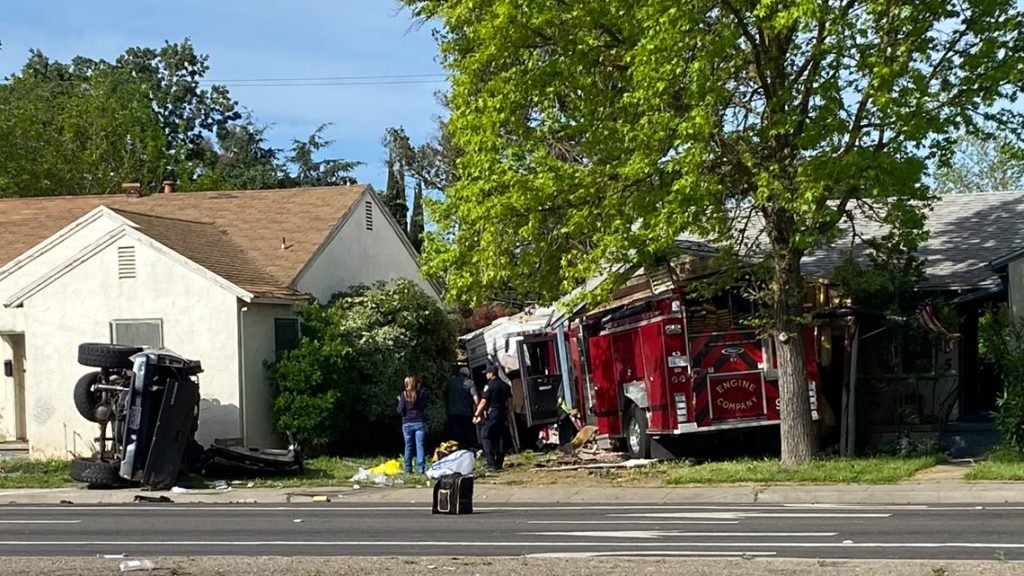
<point>339,529</point>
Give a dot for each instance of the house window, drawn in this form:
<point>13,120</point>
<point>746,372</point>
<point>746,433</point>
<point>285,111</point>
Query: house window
<point>286,335</point>
<point>138,332</point>
<point>369,215</point>
<point>125,262</point>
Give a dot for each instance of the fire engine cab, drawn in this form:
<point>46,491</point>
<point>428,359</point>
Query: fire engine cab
<point>656,367</point>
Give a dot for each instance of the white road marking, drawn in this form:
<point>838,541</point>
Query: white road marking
<point>654,507</point>
<point>631,522</point>
<point>40,521</point>
<point>734,515</point>
<point>681,533</point>
<point>646,553</point>
<point>507,544</point>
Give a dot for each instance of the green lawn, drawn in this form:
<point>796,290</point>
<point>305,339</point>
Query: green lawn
<point>873,470</point>
<point>1001,464</point>
<point>330,471</point>
<point>321,471</point>
<point>34,474</point>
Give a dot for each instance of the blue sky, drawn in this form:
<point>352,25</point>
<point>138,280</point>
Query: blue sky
<point>262,39</point>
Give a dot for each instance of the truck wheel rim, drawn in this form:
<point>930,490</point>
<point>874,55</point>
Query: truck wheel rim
<point>634,436</point>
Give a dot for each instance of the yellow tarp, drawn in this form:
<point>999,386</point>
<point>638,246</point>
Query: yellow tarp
<point>389,468</point>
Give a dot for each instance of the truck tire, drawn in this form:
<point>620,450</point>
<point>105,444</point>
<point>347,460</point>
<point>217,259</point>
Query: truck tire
<point>86,400</point>
<point>106,355</point>
<point>638,443</point>
<point>97,473</point>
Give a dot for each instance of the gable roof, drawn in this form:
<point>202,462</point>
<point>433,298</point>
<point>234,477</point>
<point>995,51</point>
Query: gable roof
<point>257,223</point>
<point>211,248</point>
<point>966,233</point>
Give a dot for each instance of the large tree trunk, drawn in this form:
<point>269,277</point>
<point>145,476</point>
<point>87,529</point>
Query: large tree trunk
<point>797,428</point>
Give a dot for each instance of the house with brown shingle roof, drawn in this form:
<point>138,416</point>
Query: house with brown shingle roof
<point>216,276</point>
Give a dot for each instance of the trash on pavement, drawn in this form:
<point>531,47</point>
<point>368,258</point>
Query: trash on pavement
<point>133,565</point>
<point>143,498</point>
<point>321,499</point>
<point>219,485</point>
<point>112,556</point>
<point>179,490</point>
<point>458,462</point>
<point>297,521</point>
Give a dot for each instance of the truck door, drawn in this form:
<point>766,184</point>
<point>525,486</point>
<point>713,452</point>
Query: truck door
<point>607,393</point>
<point>542,378</point>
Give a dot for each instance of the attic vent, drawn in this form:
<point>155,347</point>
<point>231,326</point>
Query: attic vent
<point>369,215</point>
<point>125,262</point>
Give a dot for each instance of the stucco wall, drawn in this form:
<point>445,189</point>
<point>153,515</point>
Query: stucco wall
<point>13,280</point>
<point>17,278</point>
<point>360,256</point>
<point>199,321</point>
<point>1016,273</point>
<point>258,326</point>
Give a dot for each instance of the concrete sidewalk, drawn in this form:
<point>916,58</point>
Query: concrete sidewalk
<point>922,492</point>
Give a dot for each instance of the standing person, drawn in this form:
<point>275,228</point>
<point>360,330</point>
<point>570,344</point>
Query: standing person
<point>412,406</point>
<point>493,411</point>
<point>462,399</point>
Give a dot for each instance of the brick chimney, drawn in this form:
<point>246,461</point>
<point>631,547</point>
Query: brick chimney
<point>169,186</point>
<point>132,189</point>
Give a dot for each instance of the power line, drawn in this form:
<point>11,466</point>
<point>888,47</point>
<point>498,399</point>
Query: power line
<point>326,78</point>
<point>314,84</point>
<point>377,80</point>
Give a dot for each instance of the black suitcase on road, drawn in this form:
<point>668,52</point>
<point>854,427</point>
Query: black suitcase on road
<point>453,494</point>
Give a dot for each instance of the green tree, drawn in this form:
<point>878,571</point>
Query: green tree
<point>306,170</point>
<point>88,125</point>
<point>83,127</point>
<point>337,391</point>
<point>171,76</point>
<point>399,156</point>
<point>983,164</point>
<point>241,160</point>
<point>416,222</point>
<point>595,133</point>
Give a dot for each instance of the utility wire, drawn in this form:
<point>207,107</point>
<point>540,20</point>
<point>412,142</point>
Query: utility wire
<point>326,78</point>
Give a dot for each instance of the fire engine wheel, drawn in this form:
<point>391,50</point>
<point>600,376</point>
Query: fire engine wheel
<point>106,355</point>
<point>638,443</point>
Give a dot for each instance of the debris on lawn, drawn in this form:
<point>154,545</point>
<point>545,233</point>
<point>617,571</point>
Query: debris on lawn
<point>600,465</point>
<point>133,565</point>
<point>381,475</point>
<point>219,485</point>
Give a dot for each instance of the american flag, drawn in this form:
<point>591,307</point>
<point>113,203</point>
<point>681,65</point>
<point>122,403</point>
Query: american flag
<point>926,315</point>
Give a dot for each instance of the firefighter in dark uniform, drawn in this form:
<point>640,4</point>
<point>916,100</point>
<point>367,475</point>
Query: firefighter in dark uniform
<point>493,412</point>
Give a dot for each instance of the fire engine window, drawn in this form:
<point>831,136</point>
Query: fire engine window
<point>540,358</point>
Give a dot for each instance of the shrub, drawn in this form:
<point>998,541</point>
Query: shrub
<point>338,390</point>
<point>1002,340</point>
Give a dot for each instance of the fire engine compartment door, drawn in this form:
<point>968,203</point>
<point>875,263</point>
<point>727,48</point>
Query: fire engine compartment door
<point>737,395</point>
<point>541,374</point>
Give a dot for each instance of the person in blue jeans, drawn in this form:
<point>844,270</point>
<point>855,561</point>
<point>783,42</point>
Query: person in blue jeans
<point>412,406</point>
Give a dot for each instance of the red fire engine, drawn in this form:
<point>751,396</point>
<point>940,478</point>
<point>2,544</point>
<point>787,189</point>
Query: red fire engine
<point>650,369</point>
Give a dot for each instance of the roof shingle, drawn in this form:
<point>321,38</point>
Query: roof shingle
<point>210,228</point>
